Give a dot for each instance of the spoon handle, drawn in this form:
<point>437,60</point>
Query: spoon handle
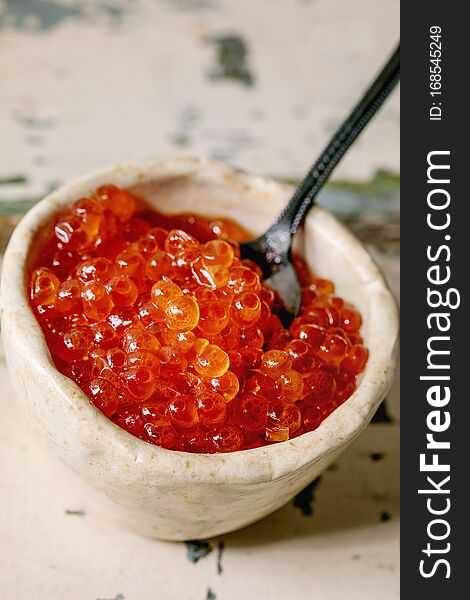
<point>304,196</point>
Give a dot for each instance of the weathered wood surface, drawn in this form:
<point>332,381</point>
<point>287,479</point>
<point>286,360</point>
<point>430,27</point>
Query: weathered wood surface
<point>262,85</point>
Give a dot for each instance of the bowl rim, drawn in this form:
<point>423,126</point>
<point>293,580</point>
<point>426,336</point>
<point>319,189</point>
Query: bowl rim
<point>256,465</point>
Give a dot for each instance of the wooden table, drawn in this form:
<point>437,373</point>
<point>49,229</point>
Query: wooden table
<point>262,85</point>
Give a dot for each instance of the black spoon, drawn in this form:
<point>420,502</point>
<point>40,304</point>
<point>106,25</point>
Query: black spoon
<point>272,250</point>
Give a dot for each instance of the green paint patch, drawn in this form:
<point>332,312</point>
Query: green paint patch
<point>187,121</point>
<point>13,180</point>
<point>231,60</point>
<point>181,140</point>
<point>197,550</point>
<point>44,15</point>
<point>378,197</point>
<point>190,5</point>
<point>211,595</point>
<point>383,181</point>
<point>39,15</point>
<point>9,208</point>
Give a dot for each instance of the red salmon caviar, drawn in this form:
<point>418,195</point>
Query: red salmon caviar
<point>275,363</point>
<point>183,412</point>
<point>225,439</point>
<point>117,358</point>
<point>291,384</point>
<point>72,233</point>
<point>177,339</point>
<point>182,314</point>
<point>157,265</point>
<point>144,358</point>
<point>213,316</point>
<point>164,292</point>
<point>139,339</point>
<point>284,419</point>
<point>319,387</point>
<point>74,344</point>
<point>355,359</point>
<point>130,418</point>
<point>155,412</point>
<point>96,269</point>
<point>217,253</point>
<point>251,412</point>
<point>227,385</point>
<point>123,291</point>
<point>183,340</point>
<point>262,385</point>
<point>105,335</point>
<point>332,350</point>
<point>97,303</point>
<point>139,383</point>
<point>69,298</point>
<point>211,408</point>
<point>212,361</point>
<point>160,435</point>
<point>130,263</point>
<point>120,202</point>
<point>246,309</point>
<point>104,395</point>
<point>44,287</point>
<point>179,243</point>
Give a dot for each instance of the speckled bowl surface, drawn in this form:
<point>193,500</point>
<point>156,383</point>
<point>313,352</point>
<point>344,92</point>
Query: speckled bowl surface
<point>175,495</point>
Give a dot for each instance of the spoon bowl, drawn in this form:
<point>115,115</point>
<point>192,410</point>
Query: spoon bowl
<point>272,250</point>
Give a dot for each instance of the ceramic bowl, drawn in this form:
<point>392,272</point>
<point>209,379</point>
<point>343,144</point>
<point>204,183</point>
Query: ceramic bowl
<point>175,495</point>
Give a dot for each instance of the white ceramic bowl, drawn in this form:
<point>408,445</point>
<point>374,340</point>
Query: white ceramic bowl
<point>175,495</point>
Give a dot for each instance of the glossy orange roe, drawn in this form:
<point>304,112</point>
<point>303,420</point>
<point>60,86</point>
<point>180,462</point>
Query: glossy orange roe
<point>177,340</point>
